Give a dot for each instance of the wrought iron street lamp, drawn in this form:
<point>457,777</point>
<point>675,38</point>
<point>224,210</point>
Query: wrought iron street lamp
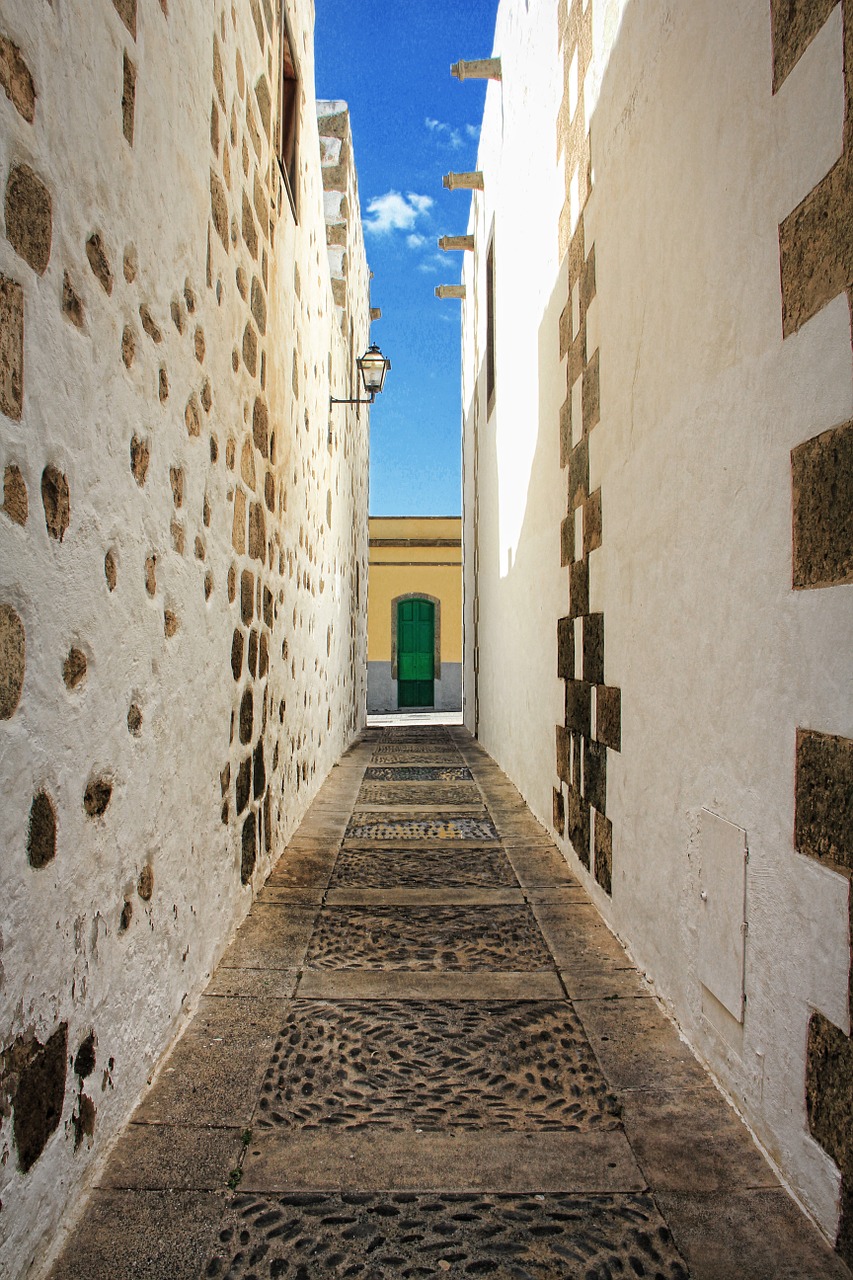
<point>373,367</point>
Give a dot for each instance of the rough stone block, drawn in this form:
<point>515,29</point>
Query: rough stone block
<point>823,812</point>
<point>247,597</point>
<point>603,839</point>
<point>72,303</point>
<point>608,716</point>
<point>579,588</point>
<point>578,706</point>
<point>11,348</point>
<point>41,837</point>
<point>592,522</point>
<point>128,98</point>
<point>563,754</point>
<point>558,811</point>
<point>829,1103</point>
<point>578,820</point>
<point>29,217</point>
<point>579,474</point>
<point>39,1071</point>
<point>16,80</point>
<point>219,208</point>
<point>593,648</point>
<point>56,501</point>
<point>794,23</point>
<point>99,262</point>
<point>257,532</point>
<point>591,399</point>
<point>15,501</point>
<point>126,10</point>
<point>567,540</point>
<point>822,482</point>
<point>566,649</point>
<point>816,248</point>
<point>595,774</point>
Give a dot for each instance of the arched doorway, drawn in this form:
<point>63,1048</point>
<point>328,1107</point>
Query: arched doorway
<point>415,644</point>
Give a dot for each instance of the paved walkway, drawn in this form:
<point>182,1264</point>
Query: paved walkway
<point>425,1055</point>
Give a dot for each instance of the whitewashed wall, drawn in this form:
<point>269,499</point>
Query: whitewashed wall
<point>207,573</point>
<point>695,162</point>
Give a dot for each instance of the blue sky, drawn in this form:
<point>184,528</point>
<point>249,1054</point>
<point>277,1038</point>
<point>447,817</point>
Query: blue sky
<point>412,122</point>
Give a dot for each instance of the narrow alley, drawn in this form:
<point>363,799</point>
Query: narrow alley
<point>423,1054</point>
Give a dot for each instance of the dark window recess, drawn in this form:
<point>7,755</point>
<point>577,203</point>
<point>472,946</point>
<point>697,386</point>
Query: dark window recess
<point>490,327</point>
<point>288,114</point>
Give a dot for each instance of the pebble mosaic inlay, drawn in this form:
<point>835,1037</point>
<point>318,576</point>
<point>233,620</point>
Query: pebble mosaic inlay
<point>423,829</point>
<point>417,773</point>
<point>420,793</point>
<point>424,869</point>
<point>423,1064</point>
<point>425,939</point>
<point>373,1236</point>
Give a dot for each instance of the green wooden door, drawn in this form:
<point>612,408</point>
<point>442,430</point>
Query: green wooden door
<point>415,653</point>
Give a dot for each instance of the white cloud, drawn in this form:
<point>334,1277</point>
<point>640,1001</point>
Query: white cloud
<point>452,137</point>
<point>472,130</point>
<point>395,212</point>
<point>415,240</point>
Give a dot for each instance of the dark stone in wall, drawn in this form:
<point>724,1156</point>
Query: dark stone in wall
<point>823,805</point>
<point>794,24</point>
<point>592,522</point>
<point>822,481</point>
<point>608,716</point>
<point>243,784</point>
<point>578,819</point>
<point>11,348</point>
<point>84,1059</point>
<point>253,652</point>
<point>257,532</point>
<point>72,303</point>
<point>590,396</point>
<point>593,648</point>
<point>145,883</point>
<point>268,607</point>
<point>219,208</point>
<point>74,668</point>
<point>566,431</point>
<point>247,597</point>
<point>558,811</point>
<point>126,10</point>
<point>595,774</point>
<point>565,648</point>
<point>16,80</point>
<point>567,540</point>
<point>99,262</point>
<point>247,712</point>
<point>259,305</point>
<point>816,248</point>
<point>29,217</point>
<point>237,653</point>
<point>250,348</point>
<point>603,838</point>
<point>250,231</point>
<point>829,1104</point>
<point>259,772</point>
<point>97,796</point>
<point>563,754</point>
<point>140,457</point>
<point>579,588</point>
<point>249,843</point>
<point>56,501</point>
<point>260,426</point>
<point>578,707</point>
<point>39,1095</point>
<point>41,837</point>
<point>15,501</point>
<point>579,475</point>
<point>128,98</point>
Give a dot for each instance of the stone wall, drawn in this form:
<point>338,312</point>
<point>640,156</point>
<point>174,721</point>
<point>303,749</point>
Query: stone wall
<point>183,540</point>
<point>657,511</point>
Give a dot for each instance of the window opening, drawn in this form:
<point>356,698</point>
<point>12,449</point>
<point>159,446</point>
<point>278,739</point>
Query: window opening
<point>288,113</point>
<point>490,327</point>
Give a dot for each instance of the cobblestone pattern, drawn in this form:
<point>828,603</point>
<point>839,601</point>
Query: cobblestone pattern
<point>417,773</point>
<point>402,754</point>
<point>423,869</point>
<point>420,1235</point>
<point>424,939</point>
<point>426,795</point>
<point>430,1065</point>
<point>423,829</point>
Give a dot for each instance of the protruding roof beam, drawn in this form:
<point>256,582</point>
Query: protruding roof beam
<point>477,69</point>
<point>456,242</point>
<point>468,181</point>
<point>450,291</point>
<point>376,313</point>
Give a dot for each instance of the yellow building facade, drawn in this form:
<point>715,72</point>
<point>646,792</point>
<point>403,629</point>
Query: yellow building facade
<point>414,613</point>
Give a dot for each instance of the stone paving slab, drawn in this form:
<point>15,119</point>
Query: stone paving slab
<point>374,1160</point>
<point>446,1234</point>
<point>424,938</point>
<point>424,867</point>
<point>407,1064</point>
<point>143,1235</point>
<point>184,1157</point>
<point>362,984</point>
<point>272,935</point>
<point>405,897</point>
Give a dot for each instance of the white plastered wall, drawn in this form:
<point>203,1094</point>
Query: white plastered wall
<point>695,163</point>
<point>65,956</point>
